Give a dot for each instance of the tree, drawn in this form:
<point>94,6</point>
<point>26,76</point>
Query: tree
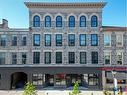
<point>29,89</point>
<point>75,90</point>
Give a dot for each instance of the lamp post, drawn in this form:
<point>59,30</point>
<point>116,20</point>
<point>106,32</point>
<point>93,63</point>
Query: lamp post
<point>114,81</point>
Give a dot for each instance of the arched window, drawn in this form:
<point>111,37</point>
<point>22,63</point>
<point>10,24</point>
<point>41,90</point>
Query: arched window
<point>94,21</point>
<point>36,21</point>
<point>82,21</point>
<point>71,21</point>
<point>47,21</point>
<point>58,21</point>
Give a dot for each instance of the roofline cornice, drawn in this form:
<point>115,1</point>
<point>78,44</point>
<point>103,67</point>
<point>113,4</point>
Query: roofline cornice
<point>65,5</point>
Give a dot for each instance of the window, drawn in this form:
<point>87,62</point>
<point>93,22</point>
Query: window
<point>94,58</point>
<point>58,39</point>
<point>47,40</point>
<point>107,40</point>
<point>58,57</point>
<point>36,21</point>
<point>94,21</point>
<point>14,58</point>
<point>82,21</point>
<point>119,40</point>
<point>47,57</point>
<point>82,57</point>
<point>3,40</point>
<point>2,58</point>
<point>14,40</point>
<point>93,79</point>
<point>24,40</point>
<point>36,57</point>
<point>0,76</point>
<point>71,21</point>
<point>36,40</point>
<point>58,21</point>
<point>47,21</point>
<point>24,57</point>
<point>119,58</point>
<point>94,40</point>
<point>71,40</point>
<point>107,57</point>
<point>38,79</point>
<point>71,57</point>
<point>82,39</point>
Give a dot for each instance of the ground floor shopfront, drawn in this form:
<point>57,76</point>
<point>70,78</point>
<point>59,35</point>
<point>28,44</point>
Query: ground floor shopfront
<point>53,77</point>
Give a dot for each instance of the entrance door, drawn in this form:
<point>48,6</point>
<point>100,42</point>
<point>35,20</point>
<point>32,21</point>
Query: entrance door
<point>18,80</point>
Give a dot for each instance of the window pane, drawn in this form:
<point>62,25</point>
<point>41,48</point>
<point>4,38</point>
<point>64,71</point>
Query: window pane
<point>24,40</point>
<point>3,40</point>
<point>82,57</point>
<point>47,57</point>
<point>82,21</point>
<point>107,57</point>
<point>36,39</point>
<point>71,21</point>
<point>36,21</point>
<point>119,58</point>
<point>94,40</point>
<point>14,58</point>
<point>47,21</point>
<point>36,57</point>
<point>94,22</point>
<point>47,40</point>
<point>83,40</point>
<point>119,40</point>
<point>2,58</point>
<point>58,21</point>
<point>24,57</point>
<point>94,58</point>
<point>58,57</point>
<point>71,57</point>
<point>71,40</point>
<point>14,40</point>
<point>107,40</point>
<point>58,39</point>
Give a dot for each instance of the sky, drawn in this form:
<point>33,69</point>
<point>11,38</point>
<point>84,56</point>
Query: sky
<point>114,13</point>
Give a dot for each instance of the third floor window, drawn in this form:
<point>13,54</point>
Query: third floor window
<point>94,40</point>
<point>36,39</point>
<point>58,39</point>
<point>71,39</point>
<point>3,40</point>
<point>82,21</point>
<point>14,40</point>
<point>47,39</point>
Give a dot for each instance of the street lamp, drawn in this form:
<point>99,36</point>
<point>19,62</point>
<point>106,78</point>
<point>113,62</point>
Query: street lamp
<point>114,81</point>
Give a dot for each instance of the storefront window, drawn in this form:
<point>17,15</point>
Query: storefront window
<point>93,79</point>
<point>60,79</point>
<point>38,79</point>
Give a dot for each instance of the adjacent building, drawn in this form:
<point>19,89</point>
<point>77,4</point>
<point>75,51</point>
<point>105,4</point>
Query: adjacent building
<point>65,42</point>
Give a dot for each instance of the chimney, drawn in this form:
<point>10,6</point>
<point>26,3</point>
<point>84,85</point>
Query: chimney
<point>5,23</point>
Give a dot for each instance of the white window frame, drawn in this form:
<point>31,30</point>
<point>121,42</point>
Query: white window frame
<point>117,34</point>
<point>110,57</point>
<point>110,40</point>
<point>117,57</point>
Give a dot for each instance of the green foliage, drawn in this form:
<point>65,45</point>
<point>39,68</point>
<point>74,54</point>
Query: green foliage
<point>107,93</point>
<point>29,89</point>
<point>75,90</point>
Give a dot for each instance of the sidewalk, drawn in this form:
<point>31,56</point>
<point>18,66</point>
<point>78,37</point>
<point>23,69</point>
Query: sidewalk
<point>52,92</point>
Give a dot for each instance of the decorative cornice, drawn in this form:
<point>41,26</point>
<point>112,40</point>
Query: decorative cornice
<point>113,28</point>
<point>65,5</point>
